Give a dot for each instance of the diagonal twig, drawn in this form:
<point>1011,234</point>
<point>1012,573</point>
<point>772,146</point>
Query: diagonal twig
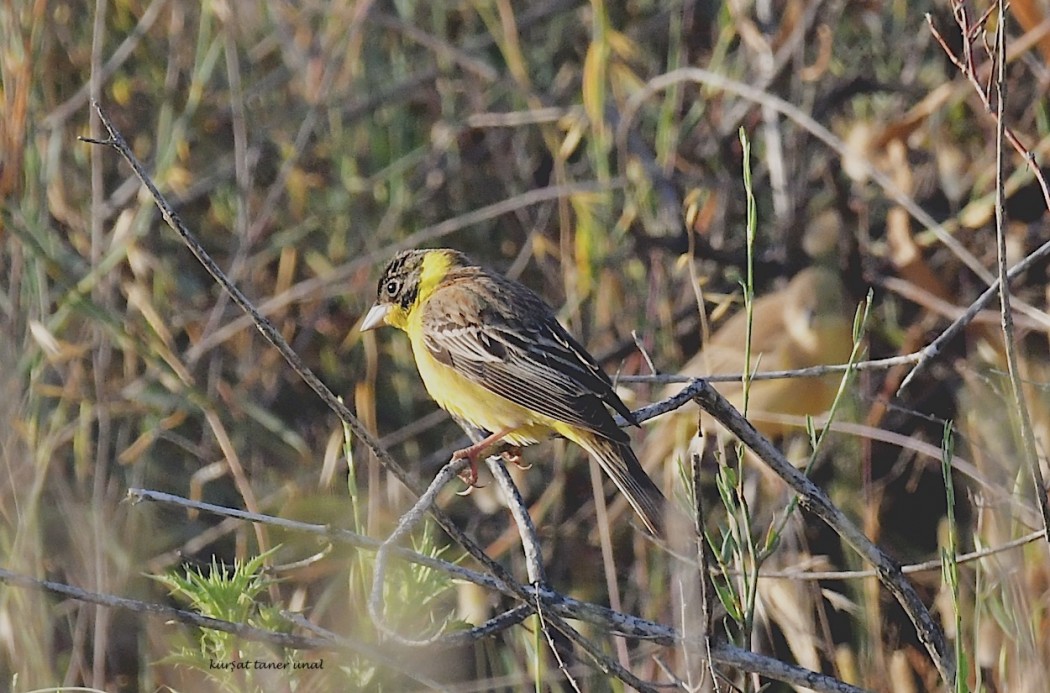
<point>813,499</point>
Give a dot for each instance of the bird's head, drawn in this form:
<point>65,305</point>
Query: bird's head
<point>407,281</point>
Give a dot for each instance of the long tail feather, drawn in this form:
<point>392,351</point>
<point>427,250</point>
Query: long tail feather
<point>618,460</point>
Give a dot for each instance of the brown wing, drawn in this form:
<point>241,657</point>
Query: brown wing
<point>516,348</point>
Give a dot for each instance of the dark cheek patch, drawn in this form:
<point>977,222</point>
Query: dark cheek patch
<point>408,296</point>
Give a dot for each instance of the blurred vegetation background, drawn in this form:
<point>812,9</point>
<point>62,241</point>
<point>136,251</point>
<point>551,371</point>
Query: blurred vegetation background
<point>305,143</point>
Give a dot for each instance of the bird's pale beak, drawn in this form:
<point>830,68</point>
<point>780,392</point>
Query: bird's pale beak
<point>376,316</point>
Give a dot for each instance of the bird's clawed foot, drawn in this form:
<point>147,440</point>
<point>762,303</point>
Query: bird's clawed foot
<point>513,455</point>
<point>469,476</point>
<point>473,452</point>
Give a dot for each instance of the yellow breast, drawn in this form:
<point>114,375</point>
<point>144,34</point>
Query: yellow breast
<point>466,400</point>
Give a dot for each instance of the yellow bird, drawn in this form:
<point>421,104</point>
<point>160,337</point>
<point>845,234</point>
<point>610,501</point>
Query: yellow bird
<point>492,354</point>
<point>808,323</point>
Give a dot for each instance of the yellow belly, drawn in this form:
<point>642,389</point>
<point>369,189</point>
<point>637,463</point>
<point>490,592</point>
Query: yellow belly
<point>465,399</point>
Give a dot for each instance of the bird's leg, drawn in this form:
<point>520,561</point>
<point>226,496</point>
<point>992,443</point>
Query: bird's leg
<point>473,452</point>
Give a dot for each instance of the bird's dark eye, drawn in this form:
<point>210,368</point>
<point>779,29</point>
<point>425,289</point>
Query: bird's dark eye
<point>392,287</point>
